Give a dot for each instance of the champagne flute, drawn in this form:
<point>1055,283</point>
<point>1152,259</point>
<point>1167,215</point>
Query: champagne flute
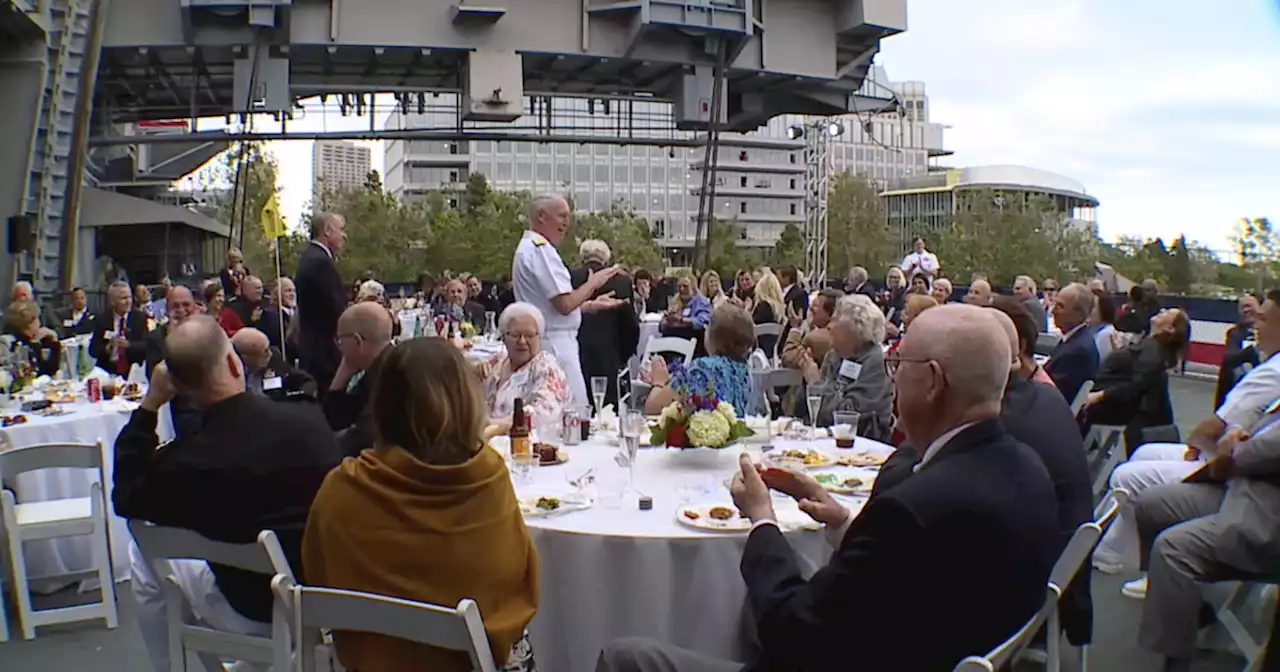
<point>599,387</point>
<point>815,404</point>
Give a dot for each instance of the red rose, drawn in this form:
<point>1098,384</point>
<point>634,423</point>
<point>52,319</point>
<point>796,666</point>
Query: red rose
<point>675,436</point>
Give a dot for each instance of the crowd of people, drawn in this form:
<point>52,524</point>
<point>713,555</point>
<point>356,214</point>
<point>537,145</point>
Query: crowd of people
<point>368,455</point>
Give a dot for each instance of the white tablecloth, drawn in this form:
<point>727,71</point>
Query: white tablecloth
<point>610,573</point>
<point>86,423</point>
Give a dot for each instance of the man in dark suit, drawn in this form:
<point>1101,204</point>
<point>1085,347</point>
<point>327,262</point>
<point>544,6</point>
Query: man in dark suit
<point>794,295</point>
<point>76,319</point>
<point>364,335</point>
<point>1241,353</point>
<point>902,585</point>
<point>254,465</point>
<point>119,333</point>
<point>1075,360</point>
<point>607,339</point>
<point>321,298</point>
<point>267,374</point>
<point>858,282</point>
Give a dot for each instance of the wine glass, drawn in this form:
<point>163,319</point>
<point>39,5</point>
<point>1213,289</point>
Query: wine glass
<point>814,402</point>
<point>599,387</point>
<point>490,326</point>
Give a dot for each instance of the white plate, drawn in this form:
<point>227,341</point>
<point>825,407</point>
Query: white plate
<point>529,506</point>
<point>780,453</point>
<point>867,478</point>
<point>861,458</point>
<point>704,521</point>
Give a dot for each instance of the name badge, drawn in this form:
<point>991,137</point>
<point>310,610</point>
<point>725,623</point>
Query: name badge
<point>68,323</point>
<point>687,312</point>
<point>273,383</point>
<point>519,379</point>
<point>108,335</point>
<point>850,369</point>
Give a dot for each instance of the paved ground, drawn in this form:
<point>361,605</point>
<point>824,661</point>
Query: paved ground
<point>90,647</point>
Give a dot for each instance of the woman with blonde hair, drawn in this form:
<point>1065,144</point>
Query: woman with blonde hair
<point>713,289</point>
<point>689,309</point>
<point>427,514</point>
<point>769,307</point>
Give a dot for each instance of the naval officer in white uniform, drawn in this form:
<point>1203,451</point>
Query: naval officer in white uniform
<point>540,277</point>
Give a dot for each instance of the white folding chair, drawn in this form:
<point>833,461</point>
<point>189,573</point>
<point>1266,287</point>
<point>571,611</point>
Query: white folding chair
<point>72,517</point>
<point>1073,558</point>
<point>1228,616</point>
<point>1000,657</point>
<point>1082,396</point>
<point>314,609</point>
<point>1107,445</point>
<point>159,544</point>
<point>683,346</point>
<point>771,329</point>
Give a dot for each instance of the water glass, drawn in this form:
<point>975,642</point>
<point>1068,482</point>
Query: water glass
<point>845,428</point>
<point>523,466</point>
<point>612,485</point>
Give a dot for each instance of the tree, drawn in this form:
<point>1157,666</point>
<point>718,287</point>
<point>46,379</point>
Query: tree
<point>856,231</point>
<point>254,170</point>
<point>1256,242</point>
<point>384,233</point>
<point>1180,267</point>
<point>726,257</point>
<point>629,236</point>
<point>789,250</point>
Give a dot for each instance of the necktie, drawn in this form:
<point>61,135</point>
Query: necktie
<point>122,361</point>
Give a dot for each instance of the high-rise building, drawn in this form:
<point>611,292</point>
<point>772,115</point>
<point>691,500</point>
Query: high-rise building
<point>338,164</point>
<point>759,175</point>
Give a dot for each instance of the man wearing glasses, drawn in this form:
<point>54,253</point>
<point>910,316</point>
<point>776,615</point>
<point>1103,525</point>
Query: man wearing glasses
<point>363,337</point>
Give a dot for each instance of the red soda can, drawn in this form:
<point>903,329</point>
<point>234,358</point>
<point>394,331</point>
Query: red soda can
<point>94,390</point>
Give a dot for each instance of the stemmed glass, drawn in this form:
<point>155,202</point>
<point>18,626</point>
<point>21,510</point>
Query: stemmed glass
<point>599,387</point>
<point>632,429</point>
<point>491,326</point>
<point>815,404</point>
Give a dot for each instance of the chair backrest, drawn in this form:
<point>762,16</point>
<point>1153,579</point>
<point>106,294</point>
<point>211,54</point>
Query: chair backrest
<point>1107,510</point>
<point>1082,396</point>
<point>15,461</point>
<point>787,378</point>
<point>457,629</point>
<point>158,542</point>
<point>683,346</point>
<point>1046,342</point>
<point>1000,657</point>
<point>623,386</point>
<point>768,329</point>
<point>1074,555</point>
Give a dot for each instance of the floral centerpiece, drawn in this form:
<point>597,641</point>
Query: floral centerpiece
<point>16,372</point>
<point>468,330</point>
<point>698,418</point>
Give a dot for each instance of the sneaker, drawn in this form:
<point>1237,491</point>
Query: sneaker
<point>1107,564</point>
<point>1135,589</point>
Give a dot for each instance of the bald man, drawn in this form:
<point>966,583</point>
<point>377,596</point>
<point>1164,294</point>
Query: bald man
<point>266,371</point>
<point>253,465</point>
<point>976,488</point>
<point>979,294</point>
<point>364,337</point>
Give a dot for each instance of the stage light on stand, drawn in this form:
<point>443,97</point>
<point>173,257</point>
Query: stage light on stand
<point>835,129</point>
<point>795,132</point>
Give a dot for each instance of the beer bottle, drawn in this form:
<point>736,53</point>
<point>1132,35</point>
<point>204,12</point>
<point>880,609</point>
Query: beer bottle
<point>519,433</point>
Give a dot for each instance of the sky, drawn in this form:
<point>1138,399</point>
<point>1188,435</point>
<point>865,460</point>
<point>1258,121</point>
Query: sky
<point>1167,111</point>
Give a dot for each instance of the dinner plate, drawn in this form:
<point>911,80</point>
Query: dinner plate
<point>813,459</point>
<point>839,482</point>
<point>862,458</point>
<point>534,507</point>
<point>699,517</point>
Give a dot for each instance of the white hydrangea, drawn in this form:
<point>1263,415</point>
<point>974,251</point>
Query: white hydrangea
<point>708,428</point>
<point>728,411</point>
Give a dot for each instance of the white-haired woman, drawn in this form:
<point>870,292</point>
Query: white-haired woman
<point>852,376</point>
<point>372,291</point>
<point>525,370</point>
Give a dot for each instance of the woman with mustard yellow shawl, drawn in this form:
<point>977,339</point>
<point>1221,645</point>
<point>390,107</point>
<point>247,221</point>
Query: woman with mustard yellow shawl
<point>427,514</point>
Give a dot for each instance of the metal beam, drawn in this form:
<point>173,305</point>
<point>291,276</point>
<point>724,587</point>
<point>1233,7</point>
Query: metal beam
<point>403,134</point>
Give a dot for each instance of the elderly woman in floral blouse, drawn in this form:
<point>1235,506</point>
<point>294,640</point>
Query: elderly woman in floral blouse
<point>525,370</point>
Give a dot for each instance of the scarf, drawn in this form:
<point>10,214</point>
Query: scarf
<point>387,523</point>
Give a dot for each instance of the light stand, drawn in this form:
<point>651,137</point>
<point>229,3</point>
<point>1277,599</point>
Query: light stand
<point>817,136</point>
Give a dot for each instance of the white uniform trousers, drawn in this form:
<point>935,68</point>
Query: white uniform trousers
<point>564,344</point>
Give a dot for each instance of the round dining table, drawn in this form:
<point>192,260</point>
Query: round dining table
<point>611,571</point>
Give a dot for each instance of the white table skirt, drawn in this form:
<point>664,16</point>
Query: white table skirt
<point>87,423</point>
<point>610,573</point>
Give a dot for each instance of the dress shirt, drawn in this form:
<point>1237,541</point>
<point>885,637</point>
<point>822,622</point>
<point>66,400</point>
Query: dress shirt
<point>323,247</point>
<point>1249,399</point>
<point>938,443</point>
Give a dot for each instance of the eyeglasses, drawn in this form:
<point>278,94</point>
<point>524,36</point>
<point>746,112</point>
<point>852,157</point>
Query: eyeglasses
<point>527,338</point>
<point>892,362</point>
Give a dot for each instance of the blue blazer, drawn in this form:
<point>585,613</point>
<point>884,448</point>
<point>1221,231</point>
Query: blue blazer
<point>1074,361</point>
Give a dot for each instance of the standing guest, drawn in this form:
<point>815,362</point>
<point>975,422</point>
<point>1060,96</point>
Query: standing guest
<point>524,371</point>
<point>277,319</point>
<point>1049,288</point>
<point>244,310</point>
<point>729,341</point>
<point>1024,290</point>
<point>921,262</point>
<point>223,482</point>
<point>381,519</point>
<point>852,376</point>
<point>1075,359</point>
<point>941,291</point>
<point>979,293</point>
<point>363,338</point>
<point>542,279</point>
<point>793,293</point>
<point>642,286</point>
<point>118,333</point>
<point>1135,316</point>
<point>266,372</point>
<point>712,289</point>
<point>975,487</point>
<point>1241,352</point>
<point>769,308</point>
<point>75,320</point>
<point>231,274</point>
<point>607,339</point>
<point>321,298</point>
<point>44,352</point>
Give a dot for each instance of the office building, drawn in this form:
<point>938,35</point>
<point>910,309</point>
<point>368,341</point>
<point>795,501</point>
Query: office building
<point>338,164</point>
<point>760,176</point>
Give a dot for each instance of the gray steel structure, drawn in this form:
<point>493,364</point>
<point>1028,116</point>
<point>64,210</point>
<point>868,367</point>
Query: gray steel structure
<point>169,59</point>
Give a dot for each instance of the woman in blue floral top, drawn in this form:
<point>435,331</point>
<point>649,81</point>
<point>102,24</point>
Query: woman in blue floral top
<point>729,341</point>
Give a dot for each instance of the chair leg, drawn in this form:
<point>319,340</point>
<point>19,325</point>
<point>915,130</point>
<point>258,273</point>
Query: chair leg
<point>18,565</point>
<point>1084,658</point>
<point>1235,629</point>
<point>102,563</point>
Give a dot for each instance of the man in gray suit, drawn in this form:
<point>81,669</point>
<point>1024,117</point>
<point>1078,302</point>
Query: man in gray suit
<point>1221,524</point>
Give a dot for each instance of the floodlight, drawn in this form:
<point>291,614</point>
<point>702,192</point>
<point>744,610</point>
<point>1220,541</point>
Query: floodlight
<point>795,132</point>
<point>835,129</point>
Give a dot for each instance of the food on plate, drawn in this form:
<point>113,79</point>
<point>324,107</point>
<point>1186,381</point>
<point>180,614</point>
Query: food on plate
<point>131,391</point>
<point>691,514</point>
<point>11,420</point>
<point>841,483</point>
<point>60,396</point>
<point>862,459</point>
<point>810,457</point>
<point>52,410</point>
<point>547,503</point>
<point>721,513</point>
<point>547,453</point>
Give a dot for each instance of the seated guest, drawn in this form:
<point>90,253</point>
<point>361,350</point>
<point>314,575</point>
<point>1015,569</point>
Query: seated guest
<point>246,309</point>
<point>975,488</point>
<point>181,306</point>
<point>364,337</point>
<point>744,288</point>
<point>118,333</point>
<point>278,318</point>
<point>852,375</point>
<point>1241,353</point>
<point>267,374</point>
<point>1157,464</point>
<point>476,294</point>
<point>44,352</point>
<point>1219,526</point>
<point>916,303</point>
<point>75,319</point>
<point>459,307</point>
<point>213,298</point>
<point>979,293</point>
<point>768,308</point>
<point>941,291</point>
<point>688,312</point>
<point>1028,333</point>
<point>730,340</point>
<point>1075,359</point>
<point>429,483</point>
<point>1132,385</point>
<point>642,291</point>
<point>1102,321</point>
<point>713,289</point>
<point>154,309</point>
<point>1024,290</point>
<point>254,465</point>
<point>525,370</point>
<point>893,299</point>
<point>919,285</point>
<point>814,338</point>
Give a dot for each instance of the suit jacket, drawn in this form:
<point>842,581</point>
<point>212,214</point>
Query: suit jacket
<point>1250,514</point>
<point>607,339</point>
<point>349,413</point>
<point>294,384</point>
<point>1074,361</point>
<point>321,299</point>
<point>1036,308</point>
<point>271,323</point>
<point>910,564</point>
<point>79,327</point>
<point>1237,360</point>
<point>135,332</point>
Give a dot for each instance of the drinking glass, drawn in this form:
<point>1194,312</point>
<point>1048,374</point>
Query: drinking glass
<point>612,484</point>
<point>843,418</point>
<point>523,466</point>
<point>490,325</point>
<point>814,402</point>
<point>599,388</point>
<point>633,427</point>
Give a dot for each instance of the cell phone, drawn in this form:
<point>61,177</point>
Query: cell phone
<point>36,405</point>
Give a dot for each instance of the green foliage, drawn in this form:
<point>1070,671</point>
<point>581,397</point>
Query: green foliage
<point>240,209</point>
<point>789,250</point>
<point>726,257</point>
<point>628,234</point>
<point>1006,235</point>
<point>856,231</point>
<point>1181,268</point>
